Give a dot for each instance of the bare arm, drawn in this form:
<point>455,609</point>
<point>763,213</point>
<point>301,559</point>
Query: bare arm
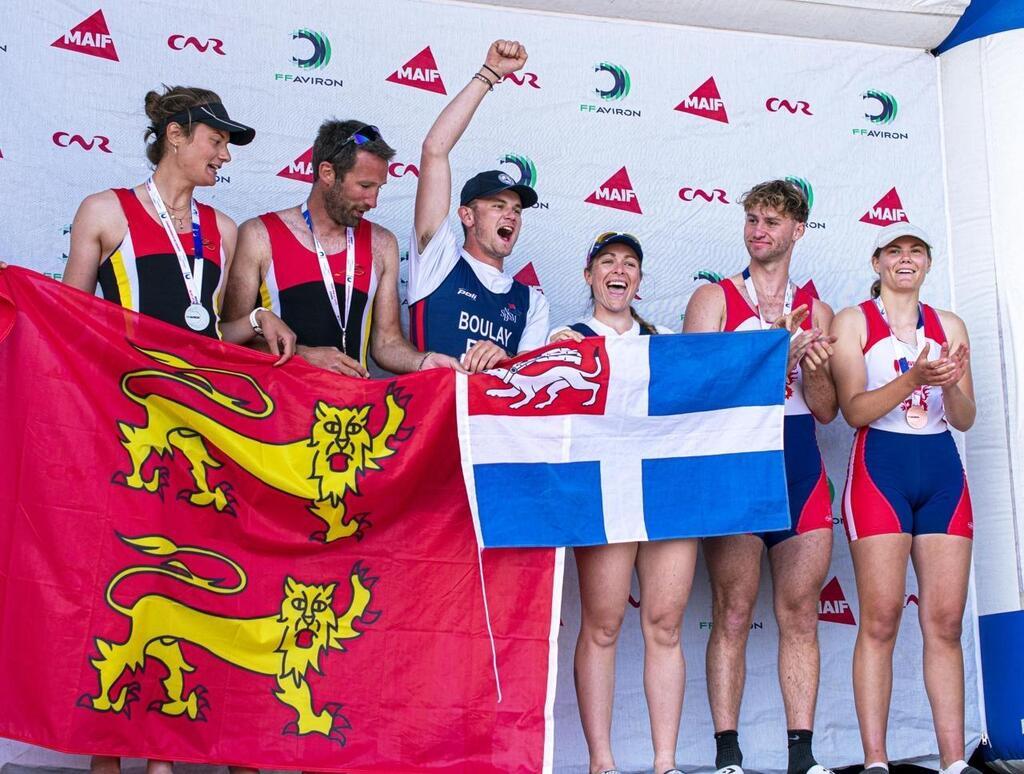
<point>706,310</point>
<point>958,393</point>
<point>98,227</point>
<point>819,389</point>
<point>434,190</point>
<point>390,349</point>
<point>249,266</point>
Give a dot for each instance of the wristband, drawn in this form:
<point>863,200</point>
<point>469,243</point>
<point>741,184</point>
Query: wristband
<point>483,79</point>
<point>257,328</point>
<point>491,71</point>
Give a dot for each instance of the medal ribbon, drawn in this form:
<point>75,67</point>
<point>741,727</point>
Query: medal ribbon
<point>193,279</point>
<point>328,278</point>
<point>899,346</point>
<point>787,304</point>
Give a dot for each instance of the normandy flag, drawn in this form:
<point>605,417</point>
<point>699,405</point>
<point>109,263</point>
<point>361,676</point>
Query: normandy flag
<point>205,558</point>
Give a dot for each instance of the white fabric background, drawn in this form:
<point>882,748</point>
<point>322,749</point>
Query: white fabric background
<point>49,90</point>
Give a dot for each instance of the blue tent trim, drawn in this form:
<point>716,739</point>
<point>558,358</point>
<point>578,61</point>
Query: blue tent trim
<point>982,18</point>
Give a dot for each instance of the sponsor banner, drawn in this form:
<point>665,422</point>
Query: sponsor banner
<point>649,129</point>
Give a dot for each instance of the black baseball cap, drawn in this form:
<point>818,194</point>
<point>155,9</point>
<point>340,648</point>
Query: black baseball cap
<point>212,114</point>
<point>495,181</point>
<point>615,237</point>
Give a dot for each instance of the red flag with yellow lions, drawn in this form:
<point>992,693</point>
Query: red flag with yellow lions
<point>205,558</point>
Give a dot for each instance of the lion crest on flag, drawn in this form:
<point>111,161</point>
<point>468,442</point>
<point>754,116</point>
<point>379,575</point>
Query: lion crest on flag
<point>321,467</point>
<point>282,645</point>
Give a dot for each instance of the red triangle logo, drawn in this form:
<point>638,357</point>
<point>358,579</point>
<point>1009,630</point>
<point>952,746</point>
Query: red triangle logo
<point>528,276</point>
<point>91,37</point>
<point>832,604</point>
<point>706,102</point>
<point>420,72</point>
<point>810,289</point>
<point>616,192</point>
<point>301,169</point>
<point>887,210</point>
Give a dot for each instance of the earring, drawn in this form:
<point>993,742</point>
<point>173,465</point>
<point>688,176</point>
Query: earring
<point>175,149</point>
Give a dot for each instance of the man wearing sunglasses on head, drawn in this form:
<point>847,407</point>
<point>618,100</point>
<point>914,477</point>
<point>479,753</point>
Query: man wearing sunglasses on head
<point>325,268</point>
<point>461,300</point>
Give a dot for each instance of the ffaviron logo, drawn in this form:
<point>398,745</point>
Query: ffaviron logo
<point>832,604</point>
<point>882,109</point>
<point>527,169</point>
<point>420,72</point>
<point>90,36</point>
<point>96,142</point>
<point>886,211</point>
<point>775,104</point>
<point>181,42</point>
<point>617,90</point>
<point>301,169</point>
<point>616,192</point>
<point>808,192</point>
<point>314,56</point>
<point>705,102</point>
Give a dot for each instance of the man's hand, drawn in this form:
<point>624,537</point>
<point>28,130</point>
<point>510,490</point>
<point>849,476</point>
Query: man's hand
<point>483,355</point>
<point>817,353</point>
<point>566,334</point>
<point>280,338</point>
<point>506,56</point>
<point>333,359</point>
<point>437,360</point>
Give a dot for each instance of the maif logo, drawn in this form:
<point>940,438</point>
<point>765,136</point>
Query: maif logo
<point>420,72</point>
<point>96,142</point>
<point>705,102</point>
<point>775,104</point>
<point>832,605</point>
<point>528,276</point>
<point>522,79</point>
<point>620,81</point>
<point>616,192</point>
<point>688,194</point>
<point>526,168</point>
<point>181,42</point>
<point>91,36</point>
<point>321,54</point>
<point>887,107</point>
<point>886,211</point>
<point>301,169</point>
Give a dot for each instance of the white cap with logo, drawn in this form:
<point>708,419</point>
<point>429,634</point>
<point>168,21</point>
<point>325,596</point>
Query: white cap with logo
<point>890,234</point>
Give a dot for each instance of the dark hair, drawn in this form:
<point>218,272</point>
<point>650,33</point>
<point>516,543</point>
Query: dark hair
<point>651,329</point>
<point>160,107</point>
<point>876,286</point>
<point>331,146</point>
<point>780,195</point>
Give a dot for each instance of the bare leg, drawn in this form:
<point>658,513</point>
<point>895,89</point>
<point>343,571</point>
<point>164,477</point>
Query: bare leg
<point>605,573</point>
<point>942,564</point>
<point>799,566</point>
<point>104,764</point>
<point>734,565</point>
<point>665,569</point>
<point>880,564</point>
<point>159,767</point>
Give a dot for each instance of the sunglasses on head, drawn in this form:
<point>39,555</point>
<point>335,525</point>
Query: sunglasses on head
<point>607,235</point>
<point>362,135</point>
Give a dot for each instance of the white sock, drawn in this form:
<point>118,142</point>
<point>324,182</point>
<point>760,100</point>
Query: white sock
<point>878,765</point>
<point>954,768</point>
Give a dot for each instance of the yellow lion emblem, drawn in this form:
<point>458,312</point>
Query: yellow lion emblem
<point>321,468</point>
<point>283,646</point>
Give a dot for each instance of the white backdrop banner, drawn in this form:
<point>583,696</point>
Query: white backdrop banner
<point>648,129</point>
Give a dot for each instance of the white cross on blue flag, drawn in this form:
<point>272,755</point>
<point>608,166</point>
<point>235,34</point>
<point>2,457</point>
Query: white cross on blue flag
<point>630,439</point>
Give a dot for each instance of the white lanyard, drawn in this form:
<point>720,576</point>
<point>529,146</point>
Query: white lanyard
<point>899,346</point>
<point>197,317</point>
<point>787,304</point>
<point>328,278</point>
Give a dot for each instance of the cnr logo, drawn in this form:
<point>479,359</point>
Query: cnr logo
<point>620,81</point>
<point>527,169</point>
<point>97,142</point>
<point>181,42</point>
<point>688,194</point>
<point>401,170</point>
<point>523,79</point>
<point>775,104</point>
<point>321,55</point>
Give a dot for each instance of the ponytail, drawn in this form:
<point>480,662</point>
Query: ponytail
<point>643,323</point>
<point>876,288</point>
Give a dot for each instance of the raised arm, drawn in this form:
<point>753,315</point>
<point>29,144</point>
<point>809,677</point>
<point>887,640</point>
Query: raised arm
<point>434,191</point>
